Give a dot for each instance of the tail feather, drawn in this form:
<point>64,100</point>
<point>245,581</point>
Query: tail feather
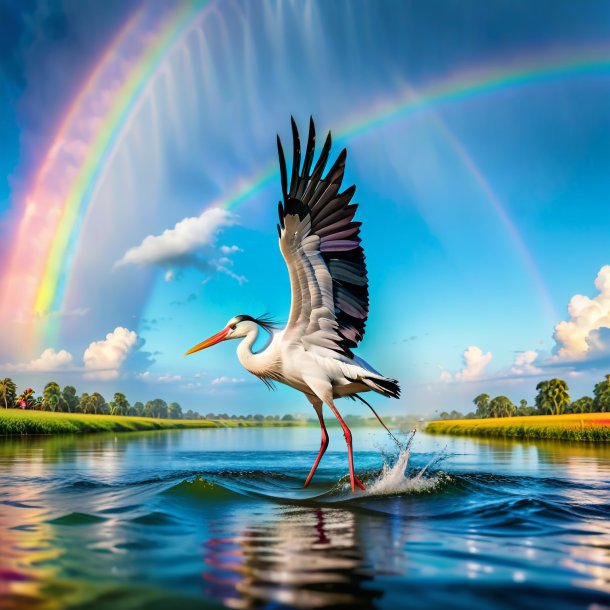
<point>383,385</point>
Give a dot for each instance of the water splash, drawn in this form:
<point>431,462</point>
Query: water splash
<point>395,477</point>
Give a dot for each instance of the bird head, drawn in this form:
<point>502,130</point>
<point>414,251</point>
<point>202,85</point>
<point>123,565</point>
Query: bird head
<point>237,327</point>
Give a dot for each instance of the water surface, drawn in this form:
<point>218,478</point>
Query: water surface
<point>218,518</point>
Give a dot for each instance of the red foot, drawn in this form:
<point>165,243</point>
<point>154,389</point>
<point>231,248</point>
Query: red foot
<point>358,482</point>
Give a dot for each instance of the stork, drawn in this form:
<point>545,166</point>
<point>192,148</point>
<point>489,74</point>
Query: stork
<point>320,243</point>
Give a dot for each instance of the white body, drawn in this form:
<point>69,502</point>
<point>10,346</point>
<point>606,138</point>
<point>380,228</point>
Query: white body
<point>314,374</point>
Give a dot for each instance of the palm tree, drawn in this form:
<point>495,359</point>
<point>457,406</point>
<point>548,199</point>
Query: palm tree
<point>552,396</point>
<point>8,391</point>
<point>481,402</point>
<point>119,405</point>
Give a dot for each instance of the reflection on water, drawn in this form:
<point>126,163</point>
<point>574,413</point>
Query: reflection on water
<point>307,558</point>
<point>213,518</point>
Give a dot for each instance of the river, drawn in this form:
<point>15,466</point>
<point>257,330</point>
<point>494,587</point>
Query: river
<point>217,518</point>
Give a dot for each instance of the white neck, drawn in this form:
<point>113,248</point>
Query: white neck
<point>244,350</point>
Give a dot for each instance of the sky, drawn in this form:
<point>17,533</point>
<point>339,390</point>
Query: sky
<point>139,187</point>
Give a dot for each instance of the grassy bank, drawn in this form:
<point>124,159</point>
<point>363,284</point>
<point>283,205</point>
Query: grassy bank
<point>575,427</point>
<point>18,422</point>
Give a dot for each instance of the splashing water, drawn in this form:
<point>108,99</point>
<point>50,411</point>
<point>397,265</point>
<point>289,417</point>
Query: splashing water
<point>396,479</point>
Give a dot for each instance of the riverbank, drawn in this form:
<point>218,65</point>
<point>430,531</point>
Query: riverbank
<point>15,422</point>
<point>573,427</point>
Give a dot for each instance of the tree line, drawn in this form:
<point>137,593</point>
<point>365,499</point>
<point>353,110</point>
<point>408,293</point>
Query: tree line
<point>53,398</point>
<point>67,400</point>
<point>553,398</point>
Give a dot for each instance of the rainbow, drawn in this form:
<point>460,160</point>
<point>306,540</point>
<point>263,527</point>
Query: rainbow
<point>453,89</point>
<point>56,203</point>
<point>54,213</point>
<point>43,198</point>
<point>79,196</point>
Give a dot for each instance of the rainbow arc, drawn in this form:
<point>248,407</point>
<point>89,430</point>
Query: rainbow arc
<point>38,271</point>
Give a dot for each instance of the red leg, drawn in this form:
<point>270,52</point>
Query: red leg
<point>354,480</point>
<point>323,445</point>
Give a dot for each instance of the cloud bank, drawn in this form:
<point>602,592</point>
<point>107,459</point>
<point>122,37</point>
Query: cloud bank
<point>582,336</point>
<point>49,361</point>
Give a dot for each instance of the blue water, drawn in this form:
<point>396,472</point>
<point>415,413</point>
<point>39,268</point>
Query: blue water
<point>218,518</point>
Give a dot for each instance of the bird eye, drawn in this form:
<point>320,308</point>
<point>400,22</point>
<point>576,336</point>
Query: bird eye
<point>233,326</point>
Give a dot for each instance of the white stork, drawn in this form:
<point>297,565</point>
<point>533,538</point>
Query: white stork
<point>321,246</point>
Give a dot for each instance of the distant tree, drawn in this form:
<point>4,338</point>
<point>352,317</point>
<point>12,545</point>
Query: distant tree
<point>8,393</point>
<point>582,405</point>
<point>524,409</point>
<point>51,397</point>
<point>138,407</point>
<point>119,405</point>
<point>98,403</point>
<point>211,416</point>
<point>481,402</point>
<point>542,401</point>
<point>69,399</point>
<point>83,403</point>
<point>601,396</point>
<point>174,411</point>
<point>501,406</point>
<point>444,415</point>
<point>156,408</point>
<point>552,396</point>
<point>288,417</point>
<point>269,418</point>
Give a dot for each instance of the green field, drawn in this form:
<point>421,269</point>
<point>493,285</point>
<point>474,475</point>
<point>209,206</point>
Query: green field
<point>17,422</point>
<point>573,427</point>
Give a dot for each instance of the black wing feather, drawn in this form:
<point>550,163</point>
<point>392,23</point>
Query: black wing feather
<point>331,216</point>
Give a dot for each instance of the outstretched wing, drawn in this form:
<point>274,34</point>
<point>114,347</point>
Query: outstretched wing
<point>320,243</point>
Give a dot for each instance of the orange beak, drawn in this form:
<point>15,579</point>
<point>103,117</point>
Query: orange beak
<point>217,338</point>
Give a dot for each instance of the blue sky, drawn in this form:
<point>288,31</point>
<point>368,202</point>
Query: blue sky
<point>455,308</point>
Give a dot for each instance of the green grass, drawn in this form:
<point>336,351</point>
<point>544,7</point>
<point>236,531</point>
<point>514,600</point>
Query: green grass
<point>574,427</point>
<point>15,422</point>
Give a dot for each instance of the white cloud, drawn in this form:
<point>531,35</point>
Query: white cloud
<point>475,363</point>
<point>225,380</point>
<point>169,378</point>
<point>230,249</point>
<point>104,358</point>
<point>524,363</point>
<point>445,375</point>
<point>146,376</point>
<point>185,239</point>
<point>577,337</point>
<point>49,361</point>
